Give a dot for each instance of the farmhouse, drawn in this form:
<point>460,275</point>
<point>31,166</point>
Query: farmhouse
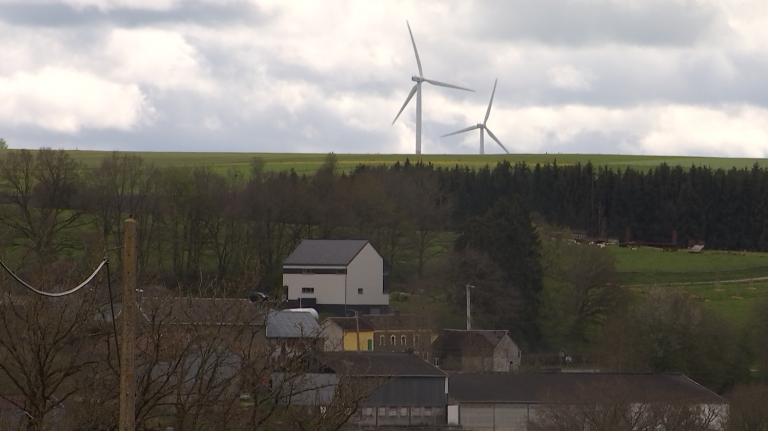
<point>513,402</point>
<point>336,275</point>
<point>402,333</point>
<point>476,350</point>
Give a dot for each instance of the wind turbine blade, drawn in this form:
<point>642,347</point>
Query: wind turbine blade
<point>407,99</point>
<point>496,139</point>
<point>443,84</point>
<point>461,131</point>
<point>416,51</point>
<point>488,113</point>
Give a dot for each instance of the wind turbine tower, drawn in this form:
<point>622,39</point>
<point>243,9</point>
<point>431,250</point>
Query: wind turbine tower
<point>483,128</point>
<point>417,90</point>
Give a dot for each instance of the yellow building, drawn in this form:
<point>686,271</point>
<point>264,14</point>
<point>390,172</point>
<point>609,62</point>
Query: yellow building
<point>343,333</point>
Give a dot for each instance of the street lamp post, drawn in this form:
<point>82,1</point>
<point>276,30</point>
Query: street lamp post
<point>469,315</point>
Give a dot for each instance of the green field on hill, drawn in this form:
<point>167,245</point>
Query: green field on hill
<point>308,163</point>
<point>719,279</point>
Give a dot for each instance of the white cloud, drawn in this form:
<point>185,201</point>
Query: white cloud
<point>159,58</point>
<point>729,130</point>
<point>65,100</point>
<point>568,77</point>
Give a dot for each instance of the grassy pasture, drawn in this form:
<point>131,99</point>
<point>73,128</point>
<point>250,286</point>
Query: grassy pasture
<point>646,265</point>
<point>308,163</point>
<point>707,277</point>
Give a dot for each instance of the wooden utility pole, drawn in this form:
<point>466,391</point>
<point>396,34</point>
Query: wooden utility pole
<point>128,333</point>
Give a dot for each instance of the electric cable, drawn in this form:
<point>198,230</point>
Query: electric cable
<point>55,294</point>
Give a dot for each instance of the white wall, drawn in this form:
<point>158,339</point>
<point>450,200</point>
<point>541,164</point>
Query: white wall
<point>329,288</point>
<point>366,271</point>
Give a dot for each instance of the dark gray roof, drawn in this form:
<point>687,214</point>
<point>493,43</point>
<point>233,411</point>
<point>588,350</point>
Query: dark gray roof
<point>396,321</point>
<point>389,364</point>
<point>456,341</point>
<point>543,388</point>
<point>349,324</point>
<point>325,252</point>
<point>293,324</point>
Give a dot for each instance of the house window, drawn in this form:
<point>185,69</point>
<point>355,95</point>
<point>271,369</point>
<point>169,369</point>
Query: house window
<point>370,344</point>
<point>307,290</point>
<point>393,340</point>
<point>404,412</point>
<point>360,291</point>
<point>381,340</point>
<point>415,340</point>
<point>403,340</point>
<point>368,411</point>
<point>437,362</point>
<point>416,411</point>
<point>339,271</point>
<point>427,411</point>
<point>392,411</point>
<point>382,411</point>
<point>307,271</point>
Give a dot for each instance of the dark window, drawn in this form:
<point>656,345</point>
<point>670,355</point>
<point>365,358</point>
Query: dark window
<point>307,290</point>
<point>307,271</point>
<point>360,291</point>
<point>393,340</point>
<point>403,340</point>
<point>381,340</point>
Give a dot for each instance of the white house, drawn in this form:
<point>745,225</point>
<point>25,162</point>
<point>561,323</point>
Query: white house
<point>336,275</point>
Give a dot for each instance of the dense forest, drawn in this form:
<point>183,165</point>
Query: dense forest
<point>197,221</point>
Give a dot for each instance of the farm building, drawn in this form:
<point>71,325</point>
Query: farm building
<point>401,333</point>
<point>518,402</point>
<point>347,333</point>
<point>476,350</point>
<point>336,275</point>
<point>401,389</point>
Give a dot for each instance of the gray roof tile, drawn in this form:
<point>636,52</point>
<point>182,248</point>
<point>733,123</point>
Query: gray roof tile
<point>325,252</point>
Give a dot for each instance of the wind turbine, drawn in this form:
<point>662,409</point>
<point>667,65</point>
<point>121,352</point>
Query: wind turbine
<point>417,90</point>
<point>483,128</point>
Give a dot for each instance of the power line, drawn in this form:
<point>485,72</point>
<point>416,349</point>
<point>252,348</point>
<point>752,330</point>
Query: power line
<point>55,294</point>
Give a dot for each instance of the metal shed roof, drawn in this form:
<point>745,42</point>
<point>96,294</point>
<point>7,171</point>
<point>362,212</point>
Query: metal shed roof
<point>543,388</point>
<point>293,324</point>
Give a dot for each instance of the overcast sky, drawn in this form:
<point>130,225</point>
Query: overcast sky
<point>671,77</point>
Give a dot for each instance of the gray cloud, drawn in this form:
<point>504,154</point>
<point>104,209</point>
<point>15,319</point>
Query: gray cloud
<point>577,23</point>
<point>59,15</point>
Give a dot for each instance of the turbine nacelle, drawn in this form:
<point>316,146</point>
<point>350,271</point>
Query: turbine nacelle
<point>415,78</point>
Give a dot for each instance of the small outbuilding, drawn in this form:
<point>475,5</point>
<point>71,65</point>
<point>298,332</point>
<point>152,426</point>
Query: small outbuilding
<point>476,350</point>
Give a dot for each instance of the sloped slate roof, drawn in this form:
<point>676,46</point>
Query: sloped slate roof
<point>381,364</point>
<point>325,252</point>
<point>293,324</point>
<point>544,388</point>
<point>454,341</point>
<point>396,321</point>
<point>349,324</point>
